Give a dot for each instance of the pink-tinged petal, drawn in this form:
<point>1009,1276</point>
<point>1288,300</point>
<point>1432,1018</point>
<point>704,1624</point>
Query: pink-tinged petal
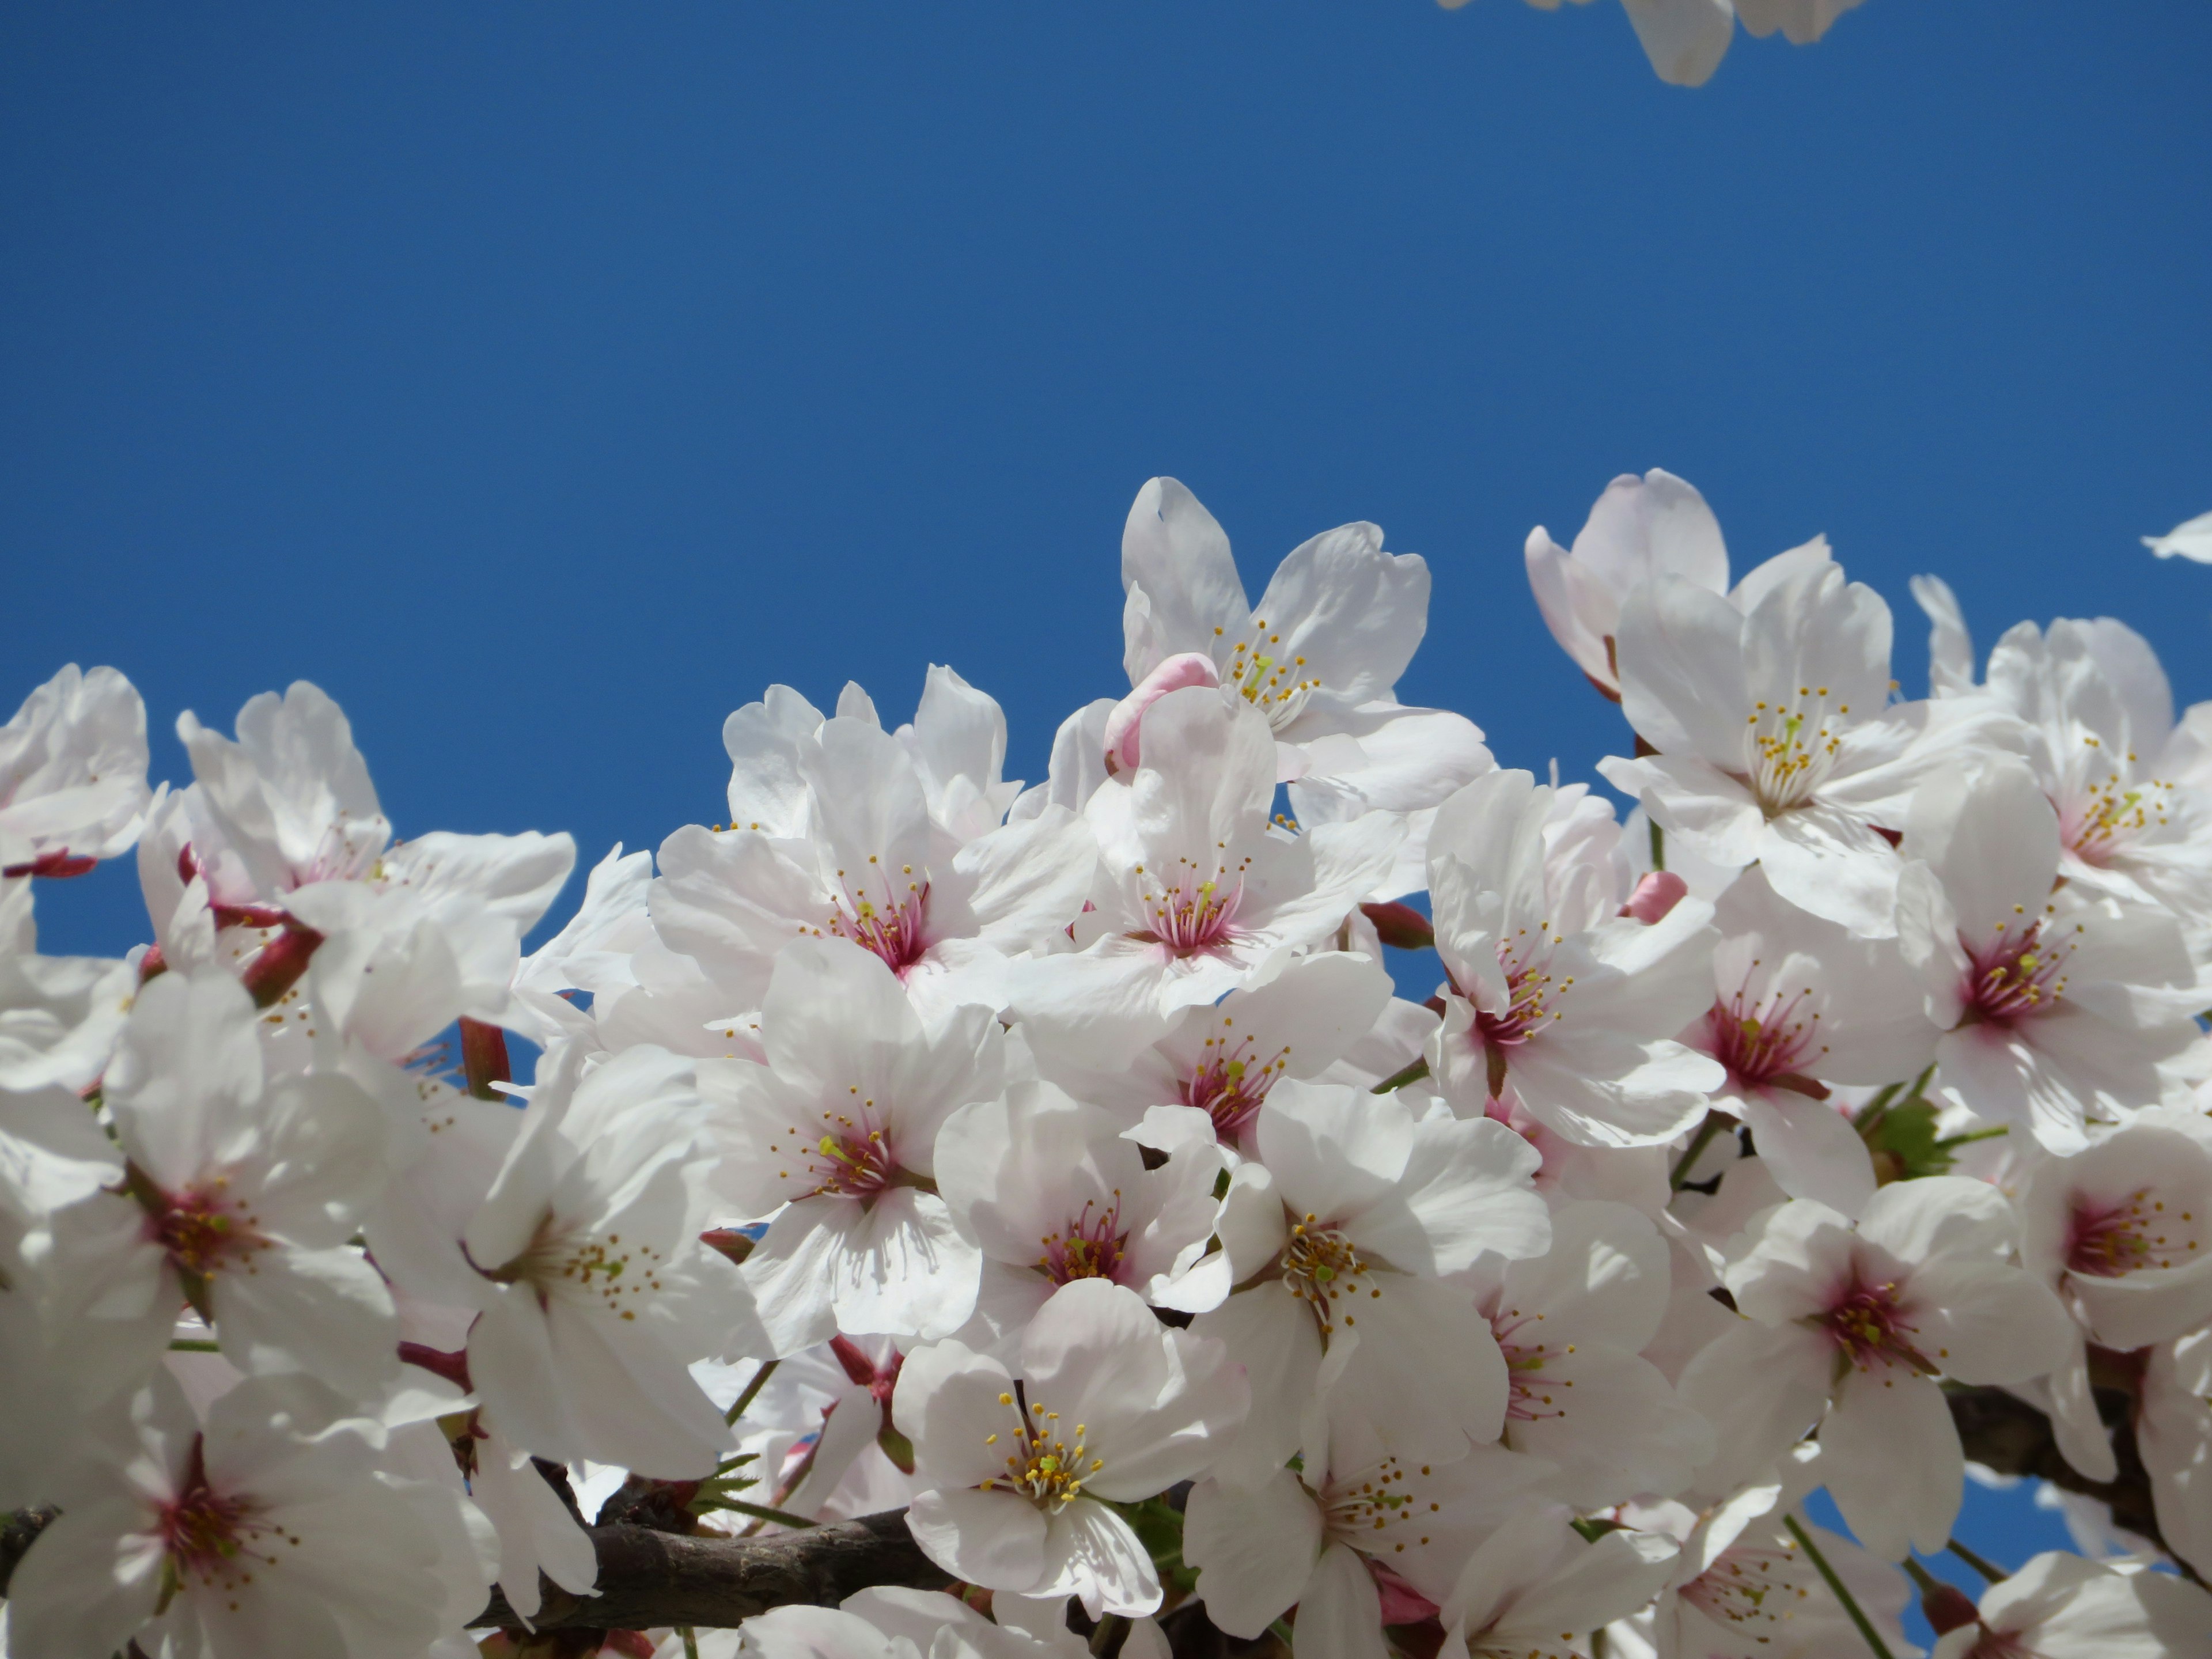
<point>1657,892</point>
<point>1125,726</point>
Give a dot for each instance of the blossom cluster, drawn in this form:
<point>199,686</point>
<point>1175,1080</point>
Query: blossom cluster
<point>1059,1165</point>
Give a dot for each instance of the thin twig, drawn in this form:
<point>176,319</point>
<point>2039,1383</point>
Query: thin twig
<point>753,1389</point>
<point>1413,1073</point>
<point>1836,1585</point>
<point>1992,1573</point>
<point>1712,1125</point>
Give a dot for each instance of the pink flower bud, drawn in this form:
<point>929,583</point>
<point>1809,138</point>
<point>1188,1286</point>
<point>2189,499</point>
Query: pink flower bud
<point>1654,896</point>
<point>1122,726</point>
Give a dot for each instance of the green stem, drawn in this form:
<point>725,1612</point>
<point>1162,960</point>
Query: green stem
<point>1971,1135</point>
<point>1658,845</point>
<point>762,1512</point>
<point>690,1641</point>
<point>1713,1125</point>
<point>193,1345</point>
<point>1413,1073</point>
<point>1923,1580</point>
<point>1989,1570</point>
<point>1102,1639</point>
<point>1836,1587</point>
<point>753,1389</point>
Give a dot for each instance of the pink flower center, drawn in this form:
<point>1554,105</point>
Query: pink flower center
<point>1323,1269</point>
<point>851,1158</point>
<point>1760,1041</point>
<point>1196,914</point>
<point>1376,1514</point>
<point>1228,1086</point>
<point>1090,1248</point>
<point>1532,996</point>
<point>1530,1395</point>
<point>204,1232</point>
<point>1869,1327</point>
<point>893,924</point>
<point>2017,978</point>
<point>2112,1241</point>
<point>1757,1589</point>
<point>2100,822</point>
<point>210,1535</point>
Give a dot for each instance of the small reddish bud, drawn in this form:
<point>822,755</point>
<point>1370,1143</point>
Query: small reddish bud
<point>1400,925</point>
<point>51,866</point>
<point>1125,724</point>
<point>1948,1608</point>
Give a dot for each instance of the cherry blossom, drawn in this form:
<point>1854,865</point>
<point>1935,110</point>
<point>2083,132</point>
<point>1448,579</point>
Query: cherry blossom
<point>2061,1606</point>
<point>268,1528</point>
<point>1849,1327</point>
<point>1320,657</point>
<point>72,774</point>
<point>2056,1008</point>
<point>1196,890</point>
<point>1108,1406</point>
<point>1552,988</point>
<point>1339,1238</point>
<point>595,1290</point>
<point>1772,738</point>
<point>834,1135</point>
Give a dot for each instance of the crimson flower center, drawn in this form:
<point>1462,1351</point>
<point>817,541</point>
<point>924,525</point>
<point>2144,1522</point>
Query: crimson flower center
<point>1532,994</point>
<point>1321,1268</point>
<point>891,923</point>
<point>2017,977</point>
<point>2107,815</point>
<point>1092,1247</point>
<point>1755,1588</point>
<point>2110,1241</point>
<point>850,1157</point>
<point>1196,913</point>
<point>1869,1326</point>
<point>202,1231</point>
<point>1530,1395</point>
<point>1228,1086</point>
<point>1759,1040</point>
<point>1376,1512</point>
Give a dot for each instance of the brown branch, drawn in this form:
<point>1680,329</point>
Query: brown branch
<point>18,1532</point>
<point>649,1578</point>
<point>2011,1436</point>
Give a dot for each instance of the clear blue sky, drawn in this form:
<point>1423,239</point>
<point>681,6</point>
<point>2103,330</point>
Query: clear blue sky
<point>545,381</point>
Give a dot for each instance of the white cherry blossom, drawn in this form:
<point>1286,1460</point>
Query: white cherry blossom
<point>1052,1193</point>
<point>1347,1227</point>
<point>1552,988</point>
<point>834,1135</point>
<point>246,1189</point>
<point>2056,1008</point>
<point>1196,890</point>
<point>2061,1606</point>
<point>595,1290</point>
<point>1320,657</point>
<point>269,1530</point>
<point>1107,1407</point>
<point>72,774</point>
<point>1849,1327</point>
<point>1772,738</point>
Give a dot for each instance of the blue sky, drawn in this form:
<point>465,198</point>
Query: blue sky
<point>546,381</point>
